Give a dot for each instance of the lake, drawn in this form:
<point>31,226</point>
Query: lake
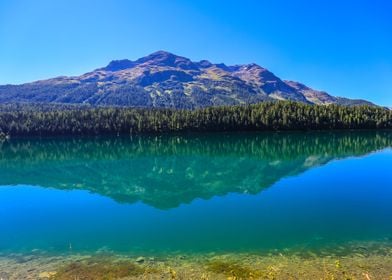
<point>223,193</point>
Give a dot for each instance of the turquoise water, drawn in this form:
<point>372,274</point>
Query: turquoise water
<point>242,192</point>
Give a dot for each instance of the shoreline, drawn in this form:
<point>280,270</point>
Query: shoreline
<point>374,262</point>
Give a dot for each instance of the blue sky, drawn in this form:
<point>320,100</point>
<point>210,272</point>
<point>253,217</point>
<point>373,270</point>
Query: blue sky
<point>343,47</point>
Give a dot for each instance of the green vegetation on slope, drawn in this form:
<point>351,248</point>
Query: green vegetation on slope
<point>262,116</point>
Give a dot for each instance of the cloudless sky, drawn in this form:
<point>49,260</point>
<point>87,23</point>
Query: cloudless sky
<point>343,47</point>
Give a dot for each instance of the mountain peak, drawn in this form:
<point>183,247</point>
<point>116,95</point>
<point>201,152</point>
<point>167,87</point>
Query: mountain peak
<point>158,58</point>
<point>253,66</point>
<point>117,65</point>
<point>204,63</point>
<point>164,58</point>
<point>158,55</point>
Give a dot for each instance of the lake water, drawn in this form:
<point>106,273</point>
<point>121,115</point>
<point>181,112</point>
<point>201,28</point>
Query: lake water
<point>240,192</point>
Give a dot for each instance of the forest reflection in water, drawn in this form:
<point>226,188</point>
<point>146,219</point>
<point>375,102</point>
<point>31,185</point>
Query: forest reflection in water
<point>166,171</point>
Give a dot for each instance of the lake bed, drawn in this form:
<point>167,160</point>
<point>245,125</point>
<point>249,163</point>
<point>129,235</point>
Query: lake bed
<point>215,205</point>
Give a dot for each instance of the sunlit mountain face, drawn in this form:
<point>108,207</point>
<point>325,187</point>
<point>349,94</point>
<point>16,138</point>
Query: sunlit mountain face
<point>165,80</point>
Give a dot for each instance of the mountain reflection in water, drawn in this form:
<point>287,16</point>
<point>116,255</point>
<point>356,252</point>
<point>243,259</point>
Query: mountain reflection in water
<point>166,171</point>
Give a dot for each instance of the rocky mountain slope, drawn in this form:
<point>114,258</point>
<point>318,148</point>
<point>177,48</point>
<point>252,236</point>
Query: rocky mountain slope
<point>166,80</point>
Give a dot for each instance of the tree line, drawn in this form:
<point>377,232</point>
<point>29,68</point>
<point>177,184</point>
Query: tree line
<point>43,120</point>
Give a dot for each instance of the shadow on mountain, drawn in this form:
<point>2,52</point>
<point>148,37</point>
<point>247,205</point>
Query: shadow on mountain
<point>166,171</point>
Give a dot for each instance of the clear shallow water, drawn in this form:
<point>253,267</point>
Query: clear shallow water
<point>249,192</point>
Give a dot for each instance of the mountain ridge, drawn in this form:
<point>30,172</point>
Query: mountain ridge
<point>165,80</point>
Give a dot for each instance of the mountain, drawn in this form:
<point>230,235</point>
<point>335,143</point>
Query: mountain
<point>165,80</point>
